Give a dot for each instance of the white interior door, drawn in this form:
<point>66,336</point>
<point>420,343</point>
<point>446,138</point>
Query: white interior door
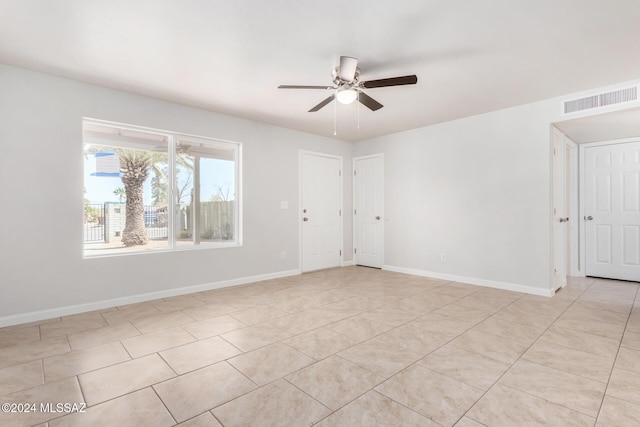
<point>321,188</point>
<point>368,204</point>
<point>559,218</point>
<point>612,210</point>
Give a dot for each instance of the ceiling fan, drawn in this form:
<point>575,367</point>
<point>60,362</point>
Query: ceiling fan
<point>348,87</point>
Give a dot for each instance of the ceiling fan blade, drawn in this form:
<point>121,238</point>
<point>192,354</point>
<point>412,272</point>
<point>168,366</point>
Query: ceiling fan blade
<point>393,81</point>
<point>348,66</point>
<point>369,102</point>
<point>304,87</point>
<point>322,104</point>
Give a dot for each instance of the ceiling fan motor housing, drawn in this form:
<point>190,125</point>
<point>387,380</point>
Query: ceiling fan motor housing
<point>335,75</point>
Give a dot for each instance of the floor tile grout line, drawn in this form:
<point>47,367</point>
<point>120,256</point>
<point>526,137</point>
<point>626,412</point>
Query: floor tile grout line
<point>331,411</point>
<point>258,386</point>
<point>228,342</point>
<point>44,374</point>
<point>577,350</point>
<point>175,421</point>
<point>381,394</point>
<point>61,415</point>
<point>613,365</point>
<point>512,364</point>
<point>168,364</point>
<point>564,372</point>
<point>415,363</point>
<point>82,392</point>
<point>454,301</point>
<point>91,370</point>
<point>566,328</point>
<point>549,401</point>
<point>216,418</point>
<point>204,367</point>
<point>336,355</point>
<point>405,406</point>
<point>574,302</point>
<point>126,349</point>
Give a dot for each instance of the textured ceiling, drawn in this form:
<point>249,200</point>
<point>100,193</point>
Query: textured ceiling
<point>470,57</point>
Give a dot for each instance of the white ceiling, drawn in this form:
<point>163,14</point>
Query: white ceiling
<point>229,56</point>
<point>603,127</point>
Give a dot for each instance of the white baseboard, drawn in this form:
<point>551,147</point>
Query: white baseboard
<point>348,263</point>
<point>35,316</point>
<point>473,281</point>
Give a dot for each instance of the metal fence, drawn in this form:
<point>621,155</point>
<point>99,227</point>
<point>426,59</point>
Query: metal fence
<point>156,221</point>
<point>94,223</point>
<point>216,221</point>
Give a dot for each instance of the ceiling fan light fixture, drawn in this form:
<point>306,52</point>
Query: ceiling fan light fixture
<point>348,87</point>
<point>346,95</point>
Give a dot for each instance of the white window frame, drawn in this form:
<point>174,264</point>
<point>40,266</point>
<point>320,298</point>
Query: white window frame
<point>172,138</point>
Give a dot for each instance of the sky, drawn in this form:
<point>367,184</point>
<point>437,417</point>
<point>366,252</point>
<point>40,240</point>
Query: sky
<point>213,173</point>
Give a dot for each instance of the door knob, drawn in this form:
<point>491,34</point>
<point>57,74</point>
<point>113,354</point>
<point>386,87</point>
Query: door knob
<point>305,219</point>
<point>378,217</point>
<point>564,219</point>
<point>588,218</point>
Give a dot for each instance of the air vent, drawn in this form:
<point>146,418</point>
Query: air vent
<point>601,100</point>
<point>581,104</point>
<point>622,95</point>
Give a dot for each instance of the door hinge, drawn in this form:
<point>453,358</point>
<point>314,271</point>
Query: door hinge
<point>339,173</point>
<point>354,211</point>
<point>355,251</point>
<point>340,212</point>
<point>354,173</point>
<point>340,252</point>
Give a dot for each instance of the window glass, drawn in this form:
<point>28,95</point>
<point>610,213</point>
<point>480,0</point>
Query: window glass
<point>205,196</point>
<point>136,199</point>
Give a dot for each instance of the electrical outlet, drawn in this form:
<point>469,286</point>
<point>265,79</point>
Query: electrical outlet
<point>443,257</point>
<point>283,255</point>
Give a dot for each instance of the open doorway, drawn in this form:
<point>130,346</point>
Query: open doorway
<point>607,226</point>
<point>564,208</point>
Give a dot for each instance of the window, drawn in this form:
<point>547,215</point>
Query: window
<point>147,190</point>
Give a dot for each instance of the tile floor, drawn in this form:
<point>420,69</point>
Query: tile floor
<point>346,347</point>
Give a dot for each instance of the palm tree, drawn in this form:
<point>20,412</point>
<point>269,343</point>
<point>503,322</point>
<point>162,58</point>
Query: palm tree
<point>134,166</point>
<point>121,193</point>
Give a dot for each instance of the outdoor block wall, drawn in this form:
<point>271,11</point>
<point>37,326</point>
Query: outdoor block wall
<point>115,215</point>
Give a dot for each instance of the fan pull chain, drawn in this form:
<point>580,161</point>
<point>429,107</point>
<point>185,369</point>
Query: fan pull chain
<point>335,116</point>
<point>358,100</point>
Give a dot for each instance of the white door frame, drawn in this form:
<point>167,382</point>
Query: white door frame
<point>573,260</point>
<point>583,226</point>
<point>353,192</point>
<point>300,207</point>
<point>558,204</point>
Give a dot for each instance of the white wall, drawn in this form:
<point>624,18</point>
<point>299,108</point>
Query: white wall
<point>41,264</point>
<point>476,189</point>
